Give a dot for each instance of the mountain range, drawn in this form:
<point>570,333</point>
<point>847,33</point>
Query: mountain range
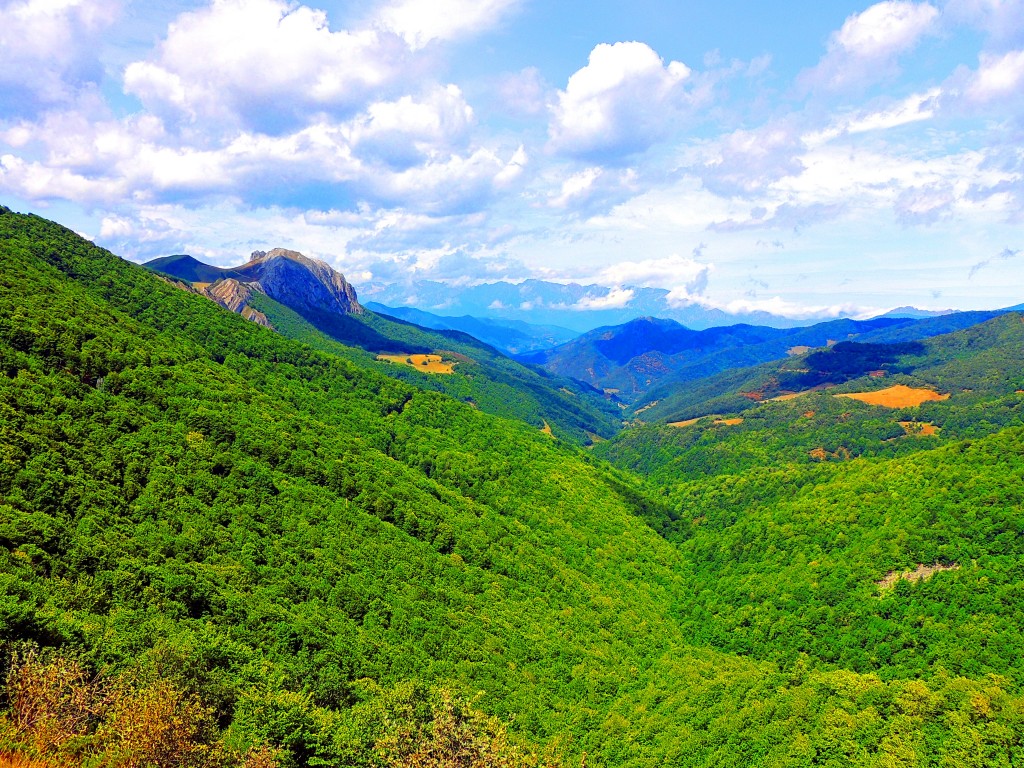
<point>646,358</point>
<point>233,544</point>
<point>574,306</point>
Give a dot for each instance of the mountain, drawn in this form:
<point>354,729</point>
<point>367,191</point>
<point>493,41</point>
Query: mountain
<point>648,358</point>
<point>577,307</point>
<point>915,313</point>
<point>981,359</point>
<point>307,300</point>
<point>513,337</point>
<point>225,547</point>
<point>286,276</point>
<point>649,352</point>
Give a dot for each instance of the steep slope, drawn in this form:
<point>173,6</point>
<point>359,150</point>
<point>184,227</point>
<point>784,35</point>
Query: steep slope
<point>292,539</point>
<point>650,352</point>
<point>959,386</point>
<point>308,298</point>
<point>306,285</point>
<point>740,389</point>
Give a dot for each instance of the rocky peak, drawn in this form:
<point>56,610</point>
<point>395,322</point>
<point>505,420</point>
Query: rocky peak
<point>300,282</point>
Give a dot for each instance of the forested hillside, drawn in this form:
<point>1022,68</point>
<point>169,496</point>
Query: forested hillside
<point>476,373</point>
<point>278,555</point>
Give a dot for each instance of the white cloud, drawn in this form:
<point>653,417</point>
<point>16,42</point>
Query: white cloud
<point>750,161</point>
<point>868,44</point>
<point>616,298</point>
<point>915,108</point>
<point>885,28</point>
<point>264,62</point>
<point>48,49</point>
<point>523,94</point>
<point>594,189</point>
<point>1003,20</point>
<point>674,271</point>
<point>420,22</point>
<point>623,101</point>
<point>405,132</point>
<point>997,77</point>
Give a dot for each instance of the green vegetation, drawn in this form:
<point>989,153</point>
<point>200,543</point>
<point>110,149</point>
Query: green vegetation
<point>327,566</point>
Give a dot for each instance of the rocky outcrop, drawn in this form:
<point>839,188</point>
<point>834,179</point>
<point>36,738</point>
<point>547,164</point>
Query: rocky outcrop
<point>300,282</point>
<point>233,295</point>
<point>288,277</point>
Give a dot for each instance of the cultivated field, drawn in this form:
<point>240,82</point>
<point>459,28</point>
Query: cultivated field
<point>425,363</point>
<point>898,396</point>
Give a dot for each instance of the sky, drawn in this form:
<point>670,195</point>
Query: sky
<point>804,158</point>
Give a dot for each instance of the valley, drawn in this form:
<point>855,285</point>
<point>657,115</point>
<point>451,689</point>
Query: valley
<point>295,553</point>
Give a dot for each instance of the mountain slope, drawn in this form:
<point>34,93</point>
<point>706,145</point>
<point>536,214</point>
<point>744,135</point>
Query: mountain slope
<point>651,352</point>
<point>303,298</point>
<point>292,538</point>
<point>949,388</point>
<point>644,360</point>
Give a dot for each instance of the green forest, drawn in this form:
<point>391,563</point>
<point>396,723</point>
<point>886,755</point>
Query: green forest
<point>228,546</point>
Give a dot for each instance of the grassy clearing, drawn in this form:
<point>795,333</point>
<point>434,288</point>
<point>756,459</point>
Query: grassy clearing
<point>921,573</point>
<point>425,363</point>
<point>898,396</point>
<point>919,428</point>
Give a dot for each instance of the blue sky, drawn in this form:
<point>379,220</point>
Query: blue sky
<point>803,158</point>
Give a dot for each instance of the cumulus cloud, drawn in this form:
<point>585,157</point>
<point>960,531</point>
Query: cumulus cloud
<point>674,272</point>
<point>421,22</point>
<point>48,50</point>
<point>868,44</point>
<point>751,161</point>
<point>616,298</point>
<point>407,131</point>
<point>264,63</point>
<point>623,101</point>
<point>997,77</point>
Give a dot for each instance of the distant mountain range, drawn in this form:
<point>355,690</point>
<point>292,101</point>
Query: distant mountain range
<point>577,307</point>
<point>514,337</point>
<point>647,356</point>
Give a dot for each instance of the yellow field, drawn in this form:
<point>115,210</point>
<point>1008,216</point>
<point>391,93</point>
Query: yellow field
<point>899,396</point>
<point>919,428</point>
<point>718,422</point>
<point>425,363</point>
<point>790,396</point>
<point>686,423</point>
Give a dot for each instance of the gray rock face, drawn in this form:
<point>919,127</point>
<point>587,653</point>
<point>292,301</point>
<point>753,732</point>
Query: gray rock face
<point>298,281</point>
<point>286,276</point>
<point>233,295</point>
